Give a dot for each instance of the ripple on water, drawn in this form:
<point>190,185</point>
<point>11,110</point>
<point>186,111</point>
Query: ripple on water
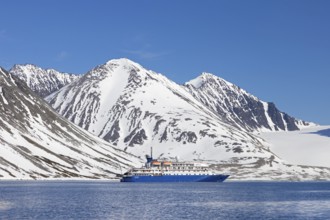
<point>5,205</point>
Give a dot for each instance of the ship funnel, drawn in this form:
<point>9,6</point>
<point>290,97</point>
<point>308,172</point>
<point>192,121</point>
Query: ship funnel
<point>149,158</point>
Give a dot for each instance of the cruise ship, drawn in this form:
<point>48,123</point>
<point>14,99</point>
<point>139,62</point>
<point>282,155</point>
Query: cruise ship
<point>173,171</point>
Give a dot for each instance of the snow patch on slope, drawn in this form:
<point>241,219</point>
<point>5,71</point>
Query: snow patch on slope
<point>2,96</point>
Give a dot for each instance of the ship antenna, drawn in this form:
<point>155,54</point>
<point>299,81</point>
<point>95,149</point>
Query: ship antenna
<point>151,152</point>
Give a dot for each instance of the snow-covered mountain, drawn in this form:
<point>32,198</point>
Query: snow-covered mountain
<point>42,81</point>
<point>134,109</point>
<point>36,142</point>
<point>239,108</point>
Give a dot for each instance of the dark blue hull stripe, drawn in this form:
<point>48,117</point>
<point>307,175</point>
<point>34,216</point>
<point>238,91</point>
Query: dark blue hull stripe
<point>176,178</point>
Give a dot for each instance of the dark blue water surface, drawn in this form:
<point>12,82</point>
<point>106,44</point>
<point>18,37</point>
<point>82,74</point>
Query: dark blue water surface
<point>106,200</point>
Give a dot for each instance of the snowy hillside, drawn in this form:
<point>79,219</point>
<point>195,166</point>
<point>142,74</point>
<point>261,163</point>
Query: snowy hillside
<point>239,108</point>
<point>35,142</point>
<point>41,81</point>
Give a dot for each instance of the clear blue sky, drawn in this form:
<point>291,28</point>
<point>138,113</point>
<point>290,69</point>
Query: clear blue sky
<point>277,50</point>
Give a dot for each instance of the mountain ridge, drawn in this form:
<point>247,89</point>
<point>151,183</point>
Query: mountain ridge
<point>240,108</point>
<point>42,81</point>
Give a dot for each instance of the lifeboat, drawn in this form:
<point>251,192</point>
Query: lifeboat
<point>155,163</point>
<point>167,163</point>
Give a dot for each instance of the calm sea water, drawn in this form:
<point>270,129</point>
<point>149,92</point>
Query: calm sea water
<point>106,200</point>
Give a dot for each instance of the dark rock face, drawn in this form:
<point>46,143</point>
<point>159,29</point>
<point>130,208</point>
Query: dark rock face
<point>187,137</point>
<point>137,136</point>
<point>276,117</point>
<point>164,136</point>
<point>282,120</point>
<point>158,123</point>
<point>251,114</point>
<point>113,134</point>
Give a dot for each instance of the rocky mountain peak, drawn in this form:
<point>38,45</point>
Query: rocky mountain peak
<point>122,67</point>
<point>211,80</point>
<point>26,66</point>
<point>42,81</point>
<point>123,62</point>
<point>238,107</point>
